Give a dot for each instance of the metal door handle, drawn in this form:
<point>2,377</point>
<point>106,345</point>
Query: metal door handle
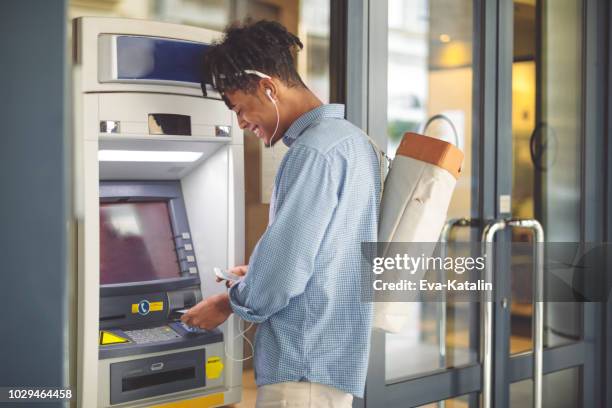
<point>537,323</point>
<point>444,238</point>
<point>488,236</point>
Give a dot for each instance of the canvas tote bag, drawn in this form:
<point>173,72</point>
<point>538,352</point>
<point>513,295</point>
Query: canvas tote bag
<point>415,198</point>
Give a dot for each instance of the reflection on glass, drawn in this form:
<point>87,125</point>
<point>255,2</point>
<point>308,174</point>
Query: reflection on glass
<point>417,349</point>
<point>458,402</point>
<point>546,116</point>
<point>136,243</point>
<point>561,389</point>
<point>430,72</point>
<point>313,61</point>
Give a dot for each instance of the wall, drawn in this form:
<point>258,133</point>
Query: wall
<point>34,204</point>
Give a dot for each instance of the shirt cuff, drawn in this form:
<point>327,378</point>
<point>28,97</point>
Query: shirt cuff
<point>237,304</point>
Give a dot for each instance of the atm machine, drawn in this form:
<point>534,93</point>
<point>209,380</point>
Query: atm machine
<point>159,200</point>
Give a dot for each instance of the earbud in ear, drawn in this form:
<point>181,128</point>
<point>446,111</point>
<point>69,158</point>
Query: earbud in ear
<point>269,93</point>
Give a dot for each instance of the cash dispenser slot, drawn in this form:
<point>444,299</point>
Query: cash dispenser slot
<point>149,377</point>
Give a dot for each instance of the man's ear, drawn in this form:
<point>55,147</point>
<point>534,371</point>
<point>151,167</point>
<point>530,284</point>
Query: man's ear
<point>269,88</point>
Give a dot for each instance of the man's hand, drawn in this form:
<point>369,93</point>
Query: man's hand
<point>209,313</point>
<point>239,270</point>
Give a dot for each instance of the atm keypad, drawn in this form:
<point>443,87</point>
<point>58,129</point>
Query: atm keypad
<point>152,335</point>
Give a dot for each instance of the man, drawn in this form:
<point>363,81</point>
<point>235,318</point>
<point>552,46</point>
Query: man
<point>302,285</point>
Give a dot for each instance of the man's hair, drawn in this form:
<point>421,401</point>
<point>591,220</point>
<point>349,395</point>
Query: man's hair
<point>264,46</point>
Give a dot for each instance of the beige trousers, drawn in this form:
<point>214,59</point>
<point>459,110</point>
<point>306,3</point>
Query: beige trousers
<point>302,395</point>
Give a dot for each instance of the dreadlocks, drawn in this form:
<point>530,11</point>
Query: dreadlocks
<point>264,46</point>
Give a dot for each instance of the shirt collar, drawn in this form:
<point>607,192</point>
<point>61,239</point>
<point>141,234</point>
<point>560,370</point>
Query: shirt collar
<point>333,110</point>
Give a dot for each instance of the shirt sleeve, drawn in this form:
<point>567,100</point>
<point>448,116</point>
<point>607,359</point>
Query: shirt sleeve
<point>283,260</point>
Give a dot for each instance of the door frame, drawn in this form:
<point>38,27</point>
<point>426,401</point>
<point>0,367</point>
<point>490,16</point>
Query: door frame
<point>586,353</point>
<point>606,65</point>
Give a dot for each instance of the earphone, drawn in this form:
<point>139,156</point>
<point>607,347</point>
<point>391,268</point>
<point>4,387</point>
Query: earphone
<point>269,94</point>
<point>241,334</point>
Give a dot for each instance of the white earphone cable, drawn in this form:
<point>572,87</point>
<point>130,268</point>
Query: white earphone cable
<point>241,334</point>
<point>277,123</point>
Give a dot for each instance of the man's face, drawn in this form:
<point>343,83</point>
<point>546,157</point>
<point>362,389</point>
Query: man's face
<point>255,112</point>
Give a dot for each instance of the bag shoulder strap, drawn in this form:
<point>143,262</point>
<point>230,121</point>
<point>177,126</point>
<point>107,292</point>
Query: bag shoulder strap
<point>382,157</point>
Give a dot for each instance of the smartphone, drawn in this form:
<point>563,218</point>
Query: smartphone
<point>225,274</point>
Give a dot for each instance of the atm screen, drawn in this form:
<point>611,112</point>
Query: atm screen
<point>151,58</point>
<point>136,243</point>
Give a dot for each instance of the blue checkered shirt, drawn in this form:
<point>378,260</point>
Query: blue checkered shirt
<point>303,282</point>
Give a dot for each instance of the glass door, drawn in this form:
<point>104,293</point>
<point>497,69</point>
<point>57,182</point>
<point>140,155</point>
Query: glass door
<point>548,185</point>
<point>512,77</point>
<point>432,70</point>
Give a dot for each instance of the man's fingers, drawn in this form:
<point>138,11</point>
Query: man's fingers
<point>209,313</point>
<point>240,270</point>
<point>189,318</point>
<point>191,321</point>
<point>186,318</point>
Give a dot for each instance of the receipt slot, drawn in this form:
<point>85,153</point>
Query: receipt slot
<point>159,200</point>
